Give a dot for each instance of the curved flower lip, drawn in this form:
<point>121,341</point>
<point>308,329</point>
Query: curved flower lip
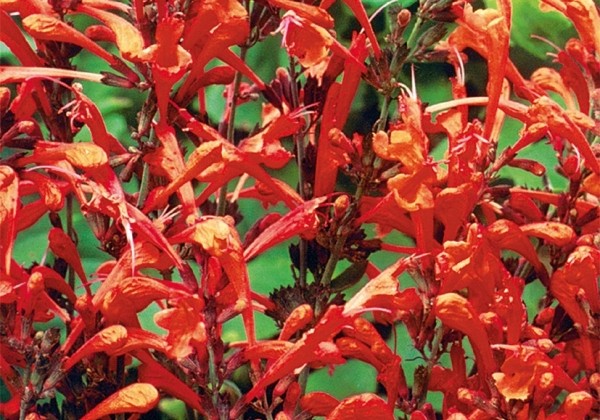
<point>315,14</point>
<point>584,15</point>
<point>116,340</point>
<point>134,398</point>
<point>129,39</point>
<point>457,313</point>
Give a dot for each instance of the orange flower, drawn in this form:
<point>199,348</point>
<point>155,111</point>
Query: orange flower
<point>218,237</point>
<point>134,398</point>
<point>169,60</point>
<point>457,313</point>
<point>584,15</point>
<point>184,322</point>
<point>520,373</point>
<point>309,42</point>
<point>9,191</point>
<point>487,32</point>
<point>301,220</point>
<point>362,406</point>
<point>129,39</point>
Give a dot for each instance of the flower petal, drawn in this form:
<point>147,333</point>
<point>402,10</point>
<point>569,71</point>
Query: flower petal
<point>134,398</point>
<point>9,193</point>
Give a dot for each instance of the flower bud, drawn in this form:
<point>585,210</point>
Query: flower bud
<point>340,206</point>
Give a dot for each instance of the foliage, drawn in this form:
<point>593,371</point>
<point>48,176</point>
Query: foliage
<point>183,207</point>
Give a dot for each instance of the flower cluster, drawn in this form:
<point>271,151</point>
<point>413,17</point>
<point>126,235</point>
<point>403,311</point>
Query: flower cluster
<point>164,207</point>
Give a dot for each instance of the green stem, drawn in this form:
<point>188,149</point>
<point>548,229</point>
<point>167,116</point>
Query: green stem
<point>300,153</point>
<point>412,39</point>
<point>237,81</point>
<point>71,233</point>
<point>432,360</point>
<point>345,227</point>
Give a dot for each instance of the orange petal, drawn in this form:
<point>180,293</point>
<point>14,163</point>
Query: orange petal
<point>129,39</point>
<point>300,317</point>
<point>63,247</point>
<point>9,192</point>
<point>49,28</point>
<point>584,15</point>
<point>134,398</point>
<point>81,155</point>
<point>318,403</point>
<point>315,14</point>
<point>545,110</point>
<point>457,313</point>
<point>554,233</point>
<point>301,220</point>
<point>12,36</point>
<point>368,406</point>
<point>184,321</point>
<point>508,235</point>
<point>110,338</point>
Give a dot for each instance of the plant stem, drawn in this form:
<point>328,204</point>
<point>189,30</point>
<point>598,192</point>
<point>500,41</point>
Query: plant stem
<point>412,39</point>
<point>145,181</point>
<point>237,80</point>
<point>344,229</point>
<point>300,153</point>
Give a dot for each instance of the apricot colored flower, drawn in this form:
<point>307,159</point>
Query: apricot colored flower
<point>134,398</point>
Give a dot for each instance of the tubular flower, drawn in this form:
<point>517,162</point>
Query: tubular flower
<point>218,237</point>
<point>487,32</point>
<point>9,187</point>
<point>457,313</point>
<point>520,374</point>
<point>185,325</point>
<point>575,282</point>
<point>309,42</point>
<point>135,398</point>
<point>168,60</point>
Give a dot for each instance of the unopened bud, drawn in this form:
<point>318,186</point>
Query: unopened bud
<point>545,316</point>
<point>545,344</point>
<point>403,18</point>
<point>578,404</point>
<point>595,382</point>
<point>340,206</point>
<point>4,99</point>
<point>571,165</point>
<point>465,396</point>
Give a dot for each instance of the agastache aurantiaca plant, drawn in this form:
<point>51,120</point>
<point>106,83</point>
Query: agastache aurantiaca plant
<point>163,207</point>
